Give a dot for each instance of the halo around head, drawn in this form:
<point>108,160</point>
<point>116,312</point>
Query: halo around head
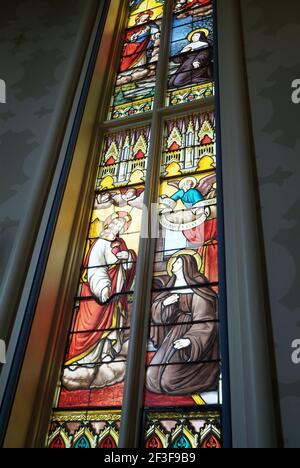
<point>191,253</point>
<point>149,13</point>
<point>191,34</point>
<point>120,215</point>
<point>188,179</point>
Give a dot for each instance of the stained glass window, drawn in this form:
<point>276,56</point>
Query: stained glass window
<point>97,429</point>
<point>191,56</point>
<point>182,430</point>
<point>184,369</point>
<point>96,354</point>
<point>124,160</point>
<point>135,82</point>
<point>183,355</point>
<point>189,145</point>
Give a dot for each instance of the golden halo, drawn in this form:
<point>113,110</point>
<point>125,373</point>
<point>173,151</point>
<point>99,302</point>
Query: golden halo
<point>188,179</point>
<point>119,215</point>
<point>204,30</point>
<point>172,260</point>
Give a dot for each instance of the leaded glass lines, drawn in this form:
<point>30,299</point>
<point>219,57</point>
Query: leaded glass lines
<point>182,358</point>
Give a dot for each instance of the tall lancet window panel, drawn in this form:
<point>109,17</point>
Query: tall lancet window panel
<point>183,352</point>
<point>183,382</point>
<point>136,79</point>
<point>191,55</point>
<point>96,356</point>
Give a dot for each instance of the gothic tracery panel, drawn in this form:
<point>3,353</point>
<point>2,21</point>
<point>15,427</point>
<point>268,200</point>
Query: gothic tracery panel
<point>178,430</point>
<point>81,430</point>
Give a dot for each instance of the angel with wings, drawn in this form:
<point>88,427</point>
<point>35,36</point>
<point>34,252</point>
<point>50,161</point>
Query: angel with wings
<point>197,222</point>
<point>195,8</point>
<point>190,192</point>
<point>133,197</point>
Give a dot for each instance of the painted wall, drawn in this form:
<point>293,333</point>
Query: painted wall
<point>37,44</point>
<point>272,41</point>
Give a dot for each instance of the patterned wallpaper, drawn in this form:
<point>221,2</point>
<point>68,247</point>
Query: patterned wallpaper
<point>37,40</point>
<point>272,41</point>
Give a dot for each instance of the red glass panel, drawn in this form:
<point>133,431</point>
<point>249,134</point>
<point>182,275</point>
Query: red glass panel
<point>211,443</point>
<point>154,443</point>
<point>107,443</point>
<point>57,443</point>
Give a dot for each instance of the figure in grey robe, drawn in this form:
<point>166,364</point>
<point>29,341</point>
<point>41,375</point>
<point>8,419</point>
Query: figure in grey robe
<point>195,63</point>
<point>190,334</point>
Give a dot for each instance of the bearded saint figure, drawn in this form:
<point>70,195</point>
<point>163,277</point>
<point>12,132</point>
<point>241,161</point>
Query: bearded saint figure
<point>98,349</point>
<point>138,41</point>
<point>190,334</point>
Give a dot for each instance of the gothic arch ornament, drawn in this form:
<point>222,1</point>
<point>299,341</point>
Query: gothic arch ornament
<point>207,130</point>
<point>112,154</point>
<point>174,138</point>
<point>156,436</point>
<point>59,439</point>
<point>84,438</point>
<point>183,436</point>
<point>108,436</point>
<point>210,436</point>
<point>141,145</point>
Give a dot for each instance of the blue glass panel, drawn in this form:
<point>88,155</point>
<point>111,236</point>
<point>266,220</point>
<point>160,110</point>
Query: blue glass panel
<point>181,36</point>
<point>181,442</point>
<point>82,443</point>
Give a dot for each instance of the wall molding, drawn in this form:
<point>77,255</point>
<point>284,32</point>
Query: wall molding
<point>254,422</point>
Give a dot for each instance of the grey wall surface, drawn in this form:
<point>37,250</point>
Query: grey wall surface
<point>272,41</point>
<point>37,45</point>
